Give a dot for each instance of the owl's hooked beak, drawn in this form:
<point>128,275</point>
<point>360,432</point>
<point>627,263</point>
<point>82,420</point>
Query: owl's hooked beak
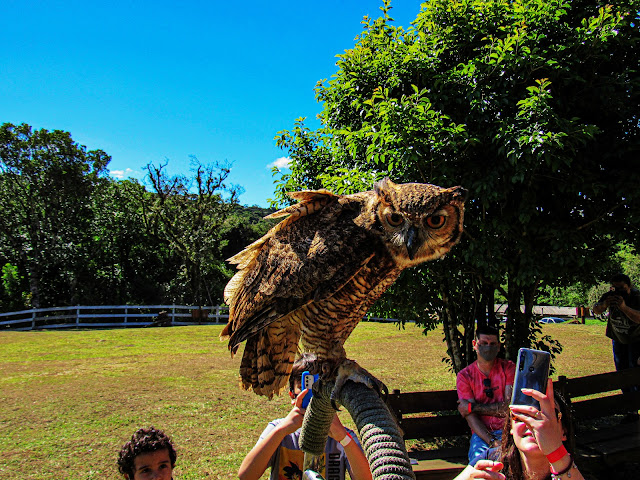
<point>412,243</point>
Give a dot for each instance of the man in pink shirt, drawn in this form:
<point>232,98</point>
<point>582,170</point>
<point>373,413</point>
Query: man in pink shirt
<point>484,391</point>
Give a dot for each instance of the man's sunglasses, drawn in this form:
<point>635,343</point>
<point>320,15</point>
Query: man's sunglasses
<point>488,391</point>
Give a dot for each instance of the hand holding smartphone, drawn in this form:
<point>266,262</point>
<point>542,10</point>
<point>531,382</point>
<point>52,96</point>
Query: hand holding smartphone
<point>532,371</point>
<point>307,382</point>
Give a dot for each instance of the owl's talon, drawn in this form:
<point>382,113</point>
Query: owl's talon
<point>383,391</point>
<point>350,370</point>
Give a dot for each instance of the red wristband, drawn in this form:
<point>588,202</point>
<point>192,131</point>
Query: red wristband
<point>470,406</point>
<point>557,454</point>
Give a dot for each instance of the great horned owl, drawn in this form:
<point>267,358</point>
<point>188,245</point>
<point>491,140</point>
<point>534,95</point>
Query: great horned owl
<point>315,274</point>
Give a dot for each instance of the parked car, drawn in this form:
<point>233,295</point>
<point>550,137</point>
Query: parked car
<point>552,320</point>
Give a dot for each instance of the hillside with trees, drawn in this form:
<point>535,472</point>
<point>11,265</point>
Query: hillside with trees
<point>72,235</point>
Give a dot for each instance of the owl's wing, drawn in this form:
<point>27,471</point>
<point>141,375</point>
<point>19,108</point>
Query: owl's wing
<point>307,257</point>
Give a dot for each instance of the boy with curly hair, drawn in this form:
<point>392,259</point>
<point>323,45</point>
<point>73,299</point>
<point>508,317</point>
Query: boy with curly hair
<point>149,454</point>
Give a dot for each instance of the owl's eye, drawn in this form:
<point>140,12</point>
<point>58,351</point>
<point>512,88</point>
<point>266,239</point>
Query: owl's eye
<point>436,221</point>
<point>395,219</point>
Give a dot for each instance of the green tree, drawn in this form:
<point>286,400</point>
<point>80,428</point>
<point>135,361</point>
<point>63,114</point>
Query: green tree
<point>243,226</point>
<point>532,105</point>
<point>191,214</point>
<point>129,261</point>
<point>46,184</point>
<point>13,295</point>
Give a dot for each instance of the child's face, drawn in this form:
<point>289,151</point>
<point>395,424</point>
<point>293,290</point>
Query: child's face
<point>153,466</point>
<point>296,391</point>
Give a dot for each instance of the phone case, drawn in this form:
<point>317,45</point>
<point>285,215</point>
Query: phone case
<point>532,371</point>
<point>307,382</point>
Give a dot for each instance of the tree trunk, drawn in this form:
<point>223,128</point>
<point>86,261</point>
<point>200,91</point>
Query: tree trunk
<point>458,313</point>
<point>490,302</point>
<point>518,332</point>
<point>529,294</point>
<point>34,283</point>
<point>451,333</point>
<point>514,319</point>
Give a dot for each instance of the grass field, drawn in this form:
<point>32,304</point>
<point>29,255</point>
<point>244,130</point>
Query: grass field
<point>70,399</point>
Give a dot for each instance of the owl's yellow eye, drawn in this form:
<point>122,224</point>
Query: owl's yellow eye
<point>395,219</point>
<point>436,221</point>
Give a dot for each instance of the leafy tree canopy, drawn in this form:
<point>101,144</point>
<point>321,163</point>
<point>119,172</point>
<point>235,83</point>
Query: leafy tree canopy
<point>532,105</point>
<point>46,181</point>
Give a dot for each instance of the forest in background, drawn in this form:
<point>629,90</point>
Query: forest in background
<point>72,235</point>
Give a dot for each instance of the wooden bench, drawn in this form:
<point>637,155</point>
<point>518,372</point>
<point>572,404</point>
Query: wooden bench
<point>432,415</point>
<point>596,440</point>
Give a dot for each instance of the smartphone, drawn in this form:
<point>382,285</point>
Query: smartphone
<point>307,382</point>
<point>532,371</point>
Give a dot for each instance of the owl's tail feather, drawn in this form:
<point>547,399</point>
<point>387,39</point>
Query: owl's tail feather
<point>268,358</point>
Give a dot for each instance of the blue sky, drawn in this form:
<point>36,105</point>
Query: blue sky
<point>155,81</point>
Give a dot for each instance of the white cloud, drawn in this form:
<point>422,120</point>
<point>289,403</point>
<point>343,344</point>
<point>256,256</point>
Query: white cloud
<point>282,162</point>
<point>120,174</point>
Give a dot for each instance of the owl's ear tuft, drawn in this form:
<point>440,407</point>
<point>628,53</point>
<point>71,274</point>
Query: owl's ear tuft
<point>383,190</point>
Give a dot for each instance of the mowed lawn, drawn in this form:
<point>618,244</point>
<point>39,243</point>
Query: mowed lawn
<point>70,399</point>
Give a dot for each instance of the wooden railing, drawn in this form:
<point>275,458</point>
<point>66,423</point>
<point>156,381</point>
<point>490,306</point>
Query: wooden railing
<point>120,316</point>
<point>113,316</point>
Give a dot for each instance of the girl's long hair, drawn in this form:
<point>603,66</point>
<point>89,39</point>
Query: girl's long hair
<point>510,455</point>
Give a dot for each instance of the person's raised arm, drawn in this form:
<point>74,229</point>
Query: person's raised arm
<point>358,462</point>
<point>631,313</point>
<point>601,306</point>
<point>257,460</point>
<point>547,430</point>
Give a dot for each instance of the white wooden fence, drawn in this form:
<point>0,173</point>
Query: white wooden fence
<point>112,316</point>
<point>120,316</point>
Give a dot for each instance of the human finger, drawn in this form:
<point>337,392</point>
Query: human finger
<point>336,429</point>
<point>547,405</point>
<point>488,465</point>
<point>534,393</point>
<point>547,401</point>
<point>526,417</point>
<point>487,469</point>
<point>336,420</point>
<point>526,411</point>
<point>300,397</point>
<point>487,475</point>
<point>550,395</point>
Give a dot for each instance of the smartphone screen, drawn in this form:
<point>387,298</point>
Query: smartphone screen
<point>532,371</point>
